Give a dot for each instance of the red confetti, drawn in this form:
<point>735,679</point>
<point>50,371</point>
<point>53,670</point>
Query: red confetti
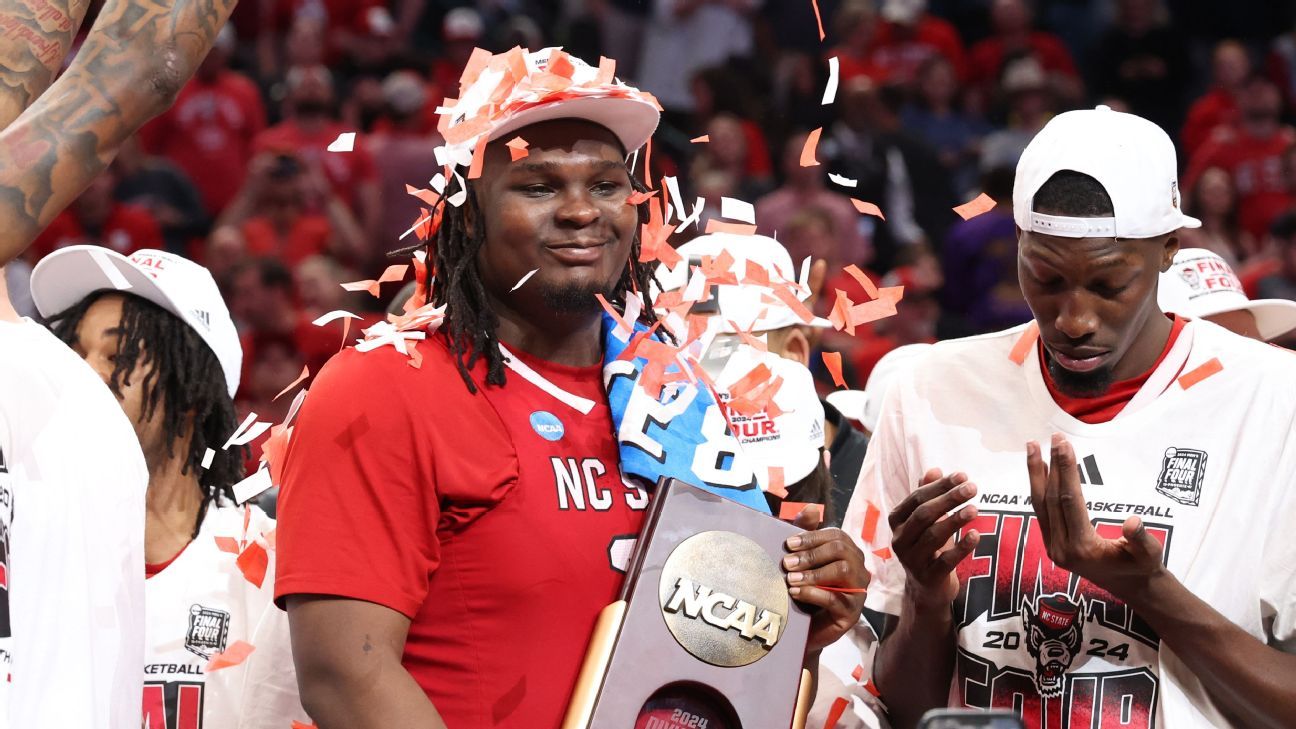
<point>298,725</point>
<point>833,361</point>
<point>639,197</point>
<point>808,151</point>
<point>517,147</point>
<point>883,553</point>
<point>478,158</point>
<point>701,140</point>
<point>839,705</point>
<point>1211,367</point>
<point>253,563</point>
<point>848,590</point>
<point>873,689</point>
<point>983,203</point>
<point>818,20</point>
<point>789,510</point>
<point>304,374</point>
<point>1024,344</point>
<point>857,673</point>
<point>871,515</point>
<point>863,280</point>
<point>232,656</point>
<point>720,226</point>
<point>867,208</point>
<point>227,544</point>
<point>787,297</point>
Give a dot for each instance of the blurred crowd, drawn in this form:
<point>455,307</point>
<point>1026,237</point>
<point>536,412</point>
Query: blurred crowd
<point>934,103</point>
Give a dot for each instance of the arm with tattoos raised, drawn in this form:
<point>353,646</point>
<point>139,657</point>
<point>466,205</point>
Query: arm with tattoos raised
<point>34,39</point>
<point>134,61</point>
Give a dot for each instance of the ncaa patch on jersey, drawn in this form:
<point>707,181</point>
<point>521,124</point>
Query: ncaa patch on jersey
<point>1182,471</point>
<point>547,425</point>
<point>208,631</point>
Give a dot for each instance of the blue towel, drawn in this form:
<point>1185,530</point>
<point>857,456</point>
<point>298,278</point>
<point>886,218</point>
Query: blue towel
<point>682,435</point>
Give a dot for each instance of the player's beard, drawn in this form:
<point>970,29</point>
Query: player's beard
<point>574,298</point>
<point>1081,384</point>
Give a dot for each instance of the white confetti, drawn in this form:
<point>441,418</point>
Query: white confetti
<point>524,279</point>
<point>332,316</point>
<point>252,486</point>
<point>843,181</point>
<point>208,455</point>
<point>739,210</point>
<point>345,142</point>
<point>830,91</point>
<point>239,430</point>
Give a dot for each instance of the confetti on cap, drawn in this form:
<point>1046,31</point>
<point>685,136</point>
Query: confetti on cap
<point>830,91</point>
<point>345,142</point>
<point>232,656</point>
<point>833,361</point>
<point>808,151</point>
<point>701,140</point>
<point>843,181</point>
<point>526,277</point>
<point>983,203</point>
<point>868,208</point>
<point>839,705</point>
<point>517,147</point>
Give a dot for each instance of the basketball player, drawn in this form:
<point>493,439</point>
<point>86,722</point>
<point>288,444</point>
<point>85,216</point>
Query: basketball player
<point>167,348</point>
<point>72,527</point>
<point>447,532</point>
<point>1097,579</point>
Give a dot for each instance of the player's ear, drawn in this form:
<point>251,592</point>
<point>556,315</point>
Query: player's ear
<point>1168,249</point>
<point>797,346</point>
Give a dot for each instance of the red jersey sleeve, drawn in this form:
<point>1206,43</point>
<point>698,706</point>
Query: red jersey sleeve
<point>385,462</point>
<point>358,505</point>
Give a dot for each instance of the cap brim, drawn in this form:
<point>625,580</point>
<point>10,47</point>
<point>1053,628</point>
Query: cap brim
<point>68,275</point>
<point>1274,317</point>
<point>1190,222</point>
<point>633,121</point>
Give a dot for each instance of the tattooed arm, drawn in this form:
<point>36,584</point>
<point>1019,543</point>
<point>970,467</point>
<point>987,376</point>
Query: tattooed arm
<point>34,38</point>
<point>133,63</point>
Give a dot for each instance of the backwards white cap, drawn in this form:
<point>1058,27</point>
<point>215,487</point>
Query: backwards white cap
<point>1201,284</point>
<point>1132,158</point>
<point>176,284</point>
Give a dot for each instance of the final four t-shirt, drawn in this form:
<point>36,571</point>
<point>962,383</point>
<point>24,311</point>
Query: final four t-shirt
<point>1205,453</point>
<point>497,522</point>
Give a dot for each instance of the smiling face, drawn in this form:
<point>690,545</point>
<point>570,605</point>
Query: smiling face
<point>1094,300</point>
<point>561,209</point>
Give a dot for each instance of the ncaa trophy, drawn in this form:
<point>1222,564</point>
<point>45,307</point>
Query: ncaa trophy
<point>703,635</point>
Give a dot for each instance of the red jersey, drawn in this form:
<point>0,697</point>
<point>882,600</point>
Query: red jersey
<point>208,133</point>
<point>1256,166</point>
<point>496,522</point>
<point>344,170</point>
<point>127,229</point>
<point>1216,108</point>
<point>309,235</point>
<point>899,57</point>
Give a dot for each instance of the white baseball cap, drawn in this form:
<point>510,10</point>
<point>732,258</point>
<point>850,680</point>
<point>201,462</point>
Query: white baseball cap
<point>884,373</point>
<point>792,439</point>
<point>514,89</point>
<point>1132,158</point>
<point>744,304</point>
<point>1201,284</point>
<point>176,284</point>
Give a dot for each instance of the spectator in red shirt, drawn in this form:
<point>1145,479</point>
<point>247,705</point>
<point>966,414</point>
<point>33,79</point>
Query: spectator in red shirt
<point>310,125</point>
<point>1230,68</point>
<point>1253,152</point>
<point>287,211</point>
<point>208,133</point>
<point>909,35</point>
<point>97,218</point>
<point>460,30</point>
<point>404,151</point>
<point>1014,36</point>
<point>856,26</point>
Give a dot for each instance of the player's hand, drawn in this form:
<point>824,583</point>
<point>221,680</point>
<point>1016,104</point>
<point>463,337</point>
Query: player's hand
<point>922,536</point>
<point>826,569</point>
<point>1122,566</point>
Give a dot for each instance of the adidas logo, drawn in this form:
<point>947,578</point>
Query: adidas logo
<point>1089,474</point>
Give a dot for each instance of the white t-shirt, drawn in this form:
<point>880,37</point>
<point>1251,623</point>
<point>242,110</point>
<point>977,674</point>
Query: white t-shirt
<point>198,606</point>
<point>1209,467</point>
<point>71,541</point>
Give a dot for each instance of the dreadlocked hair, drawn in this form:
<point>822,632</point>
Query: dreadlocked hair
<point>470,323</point>
<point>186,381</point>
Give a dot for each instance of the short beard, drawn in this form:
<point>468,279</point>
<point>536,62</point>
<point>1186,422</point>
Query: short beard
<point>1081,384</point>
<point>572,298</point>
